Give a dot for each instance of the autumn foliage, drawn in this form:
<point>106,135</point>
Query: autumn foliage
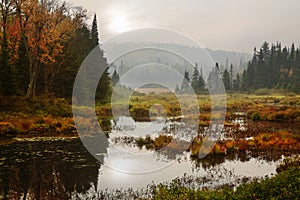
<point>35,40</point>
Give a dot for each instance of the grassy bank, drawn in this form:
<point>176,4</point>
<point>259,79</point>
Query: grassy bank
<point>285,185</point>
<point>46,116</point>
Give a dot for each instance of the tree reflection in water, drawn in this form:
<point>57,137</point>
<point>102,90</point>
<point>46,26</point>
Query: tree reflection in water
<point>47,170</point>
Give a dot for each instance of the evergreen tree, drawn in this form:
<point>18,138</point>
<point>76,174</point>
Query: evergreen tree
<point>237,82</point>
<point>272,68</point>
<point>250,76</point>
<point>195,78</point>
<point>115,78</point>
<point>226,79</point>
<point>104,86</point>
<point>284,69</point>
<point>296,72</point>
<point>104,89</point>
<point>177,89</point>
<point>185,82</point>
<point>201,82</point>
<point>231,76</point>
<point>244,85</point>
<point>292,55</point>
<point>94,32</point>
<point>214,80</point>
<point>260,71</point>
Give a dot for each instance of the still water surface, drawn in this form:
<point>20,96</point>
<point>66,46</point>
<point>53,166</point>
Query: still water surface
<point>63,169</point>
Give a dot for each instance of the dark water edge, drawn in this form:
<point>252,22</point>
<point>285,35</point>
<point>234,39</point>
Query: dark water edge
<point>46,170</point>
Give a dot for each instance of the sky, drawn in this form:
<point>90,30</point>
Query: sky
<point>234,25</point>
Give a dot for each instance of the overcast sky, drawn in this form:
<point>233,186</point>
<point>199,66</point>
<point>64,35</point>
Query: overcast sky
<point>237,25</point>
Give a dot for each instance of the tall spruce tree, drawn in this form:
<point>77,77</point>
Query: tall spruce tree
<point>185,82</point>
<point>237,82</point>
<point>296,72</point>
<point>260,71</point>
<point>244,85</point>
<point>104,86</point>
<point>231,76</point>
<point>226,79</point>
<point>292,55</point>
<point>94,32</point>
<point>195,78</point>
<point>115,78</point>
<point>201,82</point>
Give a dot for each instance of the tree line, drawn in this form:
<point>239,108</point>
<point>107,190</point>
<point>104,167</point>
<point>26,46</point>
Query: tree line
<point>42,47</point>
<point>270,68</point>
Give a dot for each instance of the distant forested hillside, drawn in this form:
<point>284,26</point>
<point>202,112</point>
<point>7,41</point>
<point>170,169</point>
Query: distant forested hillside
<point>194,54</point>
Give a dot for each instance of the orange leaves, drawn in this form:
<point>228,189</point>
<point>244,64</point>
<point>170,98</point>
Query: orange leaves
<point>46,28</point>
<point>282,140</point>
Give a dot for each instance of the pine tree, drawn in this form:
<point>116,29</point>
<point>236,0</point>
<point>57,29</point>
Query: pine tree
<point>185,82</point>
<point>237,82</point>
<point>260,72</point>
<point>94,32</point>
<point>214,80</point>
<point>177,90</point>
<point>250,76</point>
<point>296,72</point>
<point>244,85</point>
<point>115,78</point>
<point>272,68</point>
<point>284,69</point>
<point>201,82</point>
<point>195,78</point>
<point>104,86</point>
<point>231,76</point>
<point>292,55</point>
<point>226,79</point>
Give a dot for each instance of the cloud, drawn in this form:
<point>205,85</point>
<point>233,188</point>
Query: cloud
<point>218,24</point>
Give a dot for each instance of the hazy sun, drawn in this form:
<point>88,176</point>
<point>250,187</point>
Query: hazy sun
<point>119,24</point>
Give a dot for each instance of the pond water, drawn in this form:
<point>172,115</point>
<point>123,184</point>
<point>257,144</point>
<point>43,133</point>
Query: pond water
<point>126,165</point>
<point>63,169</point>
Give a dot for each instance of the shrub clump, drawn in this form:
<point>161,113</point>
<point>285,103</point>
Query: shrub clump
<point>285,185</point>
<point>262,91</point>
<point>287,163</point>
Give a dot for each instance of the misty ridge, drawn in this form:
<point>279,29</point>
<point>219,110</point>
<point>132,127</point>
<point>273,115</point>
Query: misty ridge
<point>166,63</point>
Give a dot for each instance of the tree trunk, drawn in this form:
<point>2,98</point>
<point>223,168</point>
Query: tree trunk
<point>32,80</point>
